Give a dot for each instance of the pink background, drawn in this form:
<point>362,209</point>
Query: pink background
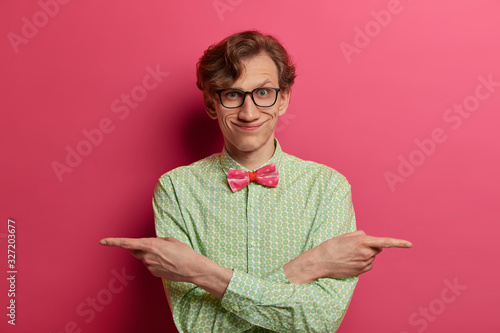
<point>365,103</point>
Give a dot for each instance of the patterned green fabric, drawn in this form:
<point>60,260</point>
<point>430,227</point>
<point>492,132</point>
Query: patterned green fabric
<point>255,231</point>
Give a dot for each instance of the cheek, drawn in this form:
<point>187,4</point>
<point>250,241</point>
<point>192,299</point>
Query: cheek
<point>273,115</point>
<point>224,121</point>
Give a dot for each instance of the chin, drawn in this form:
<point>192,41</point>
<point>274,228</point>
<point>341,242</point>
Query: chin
<point>248,146</point>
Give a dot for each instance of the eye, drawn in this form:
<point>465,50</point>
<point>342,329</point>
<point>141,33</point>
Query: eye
<point>232,94</point>
<point>262,92</point>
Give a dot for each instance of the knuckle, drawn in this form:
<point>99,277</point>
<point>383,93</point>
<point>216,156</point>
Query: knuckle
<point>360,265</point>
<point>362,242</point>
<point>364,254</point>
<point>367,256</point>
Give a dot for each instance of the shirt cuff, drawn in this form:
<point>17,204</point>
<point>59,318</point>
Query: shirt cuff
<point>278,275</point>
<point>240,294</point>
<point>244,291</point>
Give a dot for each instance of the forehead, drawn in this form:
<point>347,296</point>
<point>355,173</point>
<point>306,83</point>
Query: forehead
<point>258,70</point>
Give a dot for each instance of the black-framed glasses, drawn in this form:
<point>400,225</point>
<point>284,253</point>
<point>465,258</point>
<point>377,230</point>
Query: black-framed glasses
<point>233,98</point>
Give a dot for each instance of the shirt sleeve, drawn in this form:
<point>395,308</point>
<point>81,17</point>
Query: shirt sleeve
<point>193,309</point>
<point>272,302</point>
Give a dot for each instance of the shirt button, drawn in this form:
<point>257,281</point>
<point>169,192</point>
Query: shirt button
<point>236,308</point>
<point>252,243</point>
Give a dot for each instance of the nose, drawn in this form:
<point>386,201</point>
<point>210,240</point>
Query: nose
<point>248,111</point>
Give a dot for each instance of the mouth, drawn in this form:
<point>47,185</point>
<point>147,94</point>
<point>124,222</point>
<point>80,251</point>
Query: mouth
<point>248,127</point>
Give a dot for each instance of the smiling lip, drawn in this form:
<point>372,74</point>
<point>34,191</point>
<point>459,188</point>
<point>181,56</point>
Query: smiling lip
<point>249,127</point>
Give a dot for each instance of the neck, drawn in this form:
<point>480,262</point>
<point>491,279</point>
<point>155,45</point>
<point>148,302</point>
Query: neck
<point>252,159</point>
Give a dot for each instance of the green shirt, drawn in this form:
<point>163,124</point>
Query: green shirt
<point>255,231</point>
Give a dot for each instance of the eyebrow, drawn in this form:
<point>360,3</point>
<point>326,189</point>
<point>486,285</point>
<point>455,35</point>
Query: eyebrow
<point>263,83</point>
<point>260,85</point>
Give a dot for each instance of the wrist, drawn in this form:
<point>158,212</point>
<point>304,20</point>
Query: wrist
<point>303,269</point>
<point>211,277</point>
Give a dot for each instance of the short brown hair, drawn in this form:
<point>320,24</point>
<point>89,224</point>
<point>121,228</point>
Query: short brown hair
<point>221,65</point>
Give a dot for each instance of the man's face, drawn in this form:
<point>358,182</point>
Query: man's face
<point>249,128</point>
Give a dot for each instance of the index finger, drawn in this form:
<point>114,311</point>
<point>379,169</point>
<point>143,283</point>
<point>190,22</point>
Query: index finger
<point>126,243</point>
<point>386,242</point>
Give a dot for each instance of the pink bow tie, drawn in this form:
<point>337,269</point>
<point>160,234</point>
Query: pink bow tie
<point>267,175</point>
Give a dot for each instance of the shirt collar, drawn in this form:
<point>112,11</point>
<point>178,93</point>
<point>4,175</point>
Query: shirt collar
<point>227,161</point>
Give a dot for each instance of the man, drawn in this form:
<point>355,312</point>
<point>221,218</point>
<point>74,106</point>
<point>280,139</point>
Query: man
<point>253,239</point>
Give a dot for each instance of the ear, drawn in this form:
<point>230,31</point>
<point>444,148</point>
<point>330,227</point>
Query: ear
<point>210,106</point>
<point>211,111</point>
<point>283,101</point>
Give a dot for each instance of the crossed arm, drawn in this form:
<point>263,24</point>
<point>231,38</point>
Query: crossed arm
<point>343,256</point>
